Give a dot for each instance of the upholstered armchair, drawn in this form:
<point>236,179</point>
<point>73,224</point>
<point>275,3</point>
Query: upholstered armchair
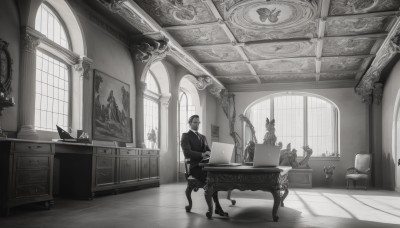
<point>360,171</point>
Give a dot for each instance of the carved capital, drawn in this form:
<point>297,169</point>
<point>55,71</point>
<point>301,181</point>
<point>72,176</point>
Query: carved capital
<point>141,87</point>
<point>29,42</point>
<point>150,49</point>
<point>366,98</point>
<point>165,100</point>
<point>84,66</point>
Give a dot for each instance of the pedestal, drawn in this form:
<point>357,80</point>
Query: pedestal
<point>300,178</point>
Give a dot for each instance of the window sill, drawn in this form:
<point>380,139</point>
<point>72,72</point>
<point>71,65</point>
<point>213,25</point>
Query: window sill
<point>321,158</point>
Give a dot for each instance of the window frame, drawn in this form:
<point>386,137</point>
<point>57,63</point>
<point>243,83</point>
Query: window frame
<point>61,54</point>
<point>335,127</point>
<point>148,94</point>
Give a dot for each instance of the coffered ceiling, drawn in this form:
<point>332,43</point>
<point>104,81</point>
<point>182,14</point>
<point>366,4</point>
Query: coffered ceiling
<point>260,42</point>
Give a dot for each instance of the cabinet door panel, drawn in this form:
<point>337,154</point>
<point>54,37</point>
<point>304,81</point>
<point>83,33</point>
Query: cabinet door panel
<point>105,162</point>
<point>128,169</point>
<point>32,190</point>
<point>154,167</point>
<point>31,177</point>
<point>144,168</point>
<point>104,176</point>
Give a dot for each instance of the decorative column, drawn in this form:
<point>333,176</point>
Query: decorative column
<point>85,98</point>
<point>141,87</point>
<point>30,39</point>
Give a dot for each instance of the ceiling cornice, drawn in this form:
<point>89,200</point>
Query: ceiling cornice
<point>291,86</point>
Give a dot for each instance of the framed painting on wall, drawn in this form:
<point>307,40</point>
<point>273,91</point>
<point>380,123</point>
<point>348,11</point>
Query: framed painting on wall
<point>111,109</point>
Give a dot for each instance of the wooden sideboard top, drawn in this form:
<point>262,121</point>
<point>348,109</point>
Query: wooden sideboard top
<point>68,143</point>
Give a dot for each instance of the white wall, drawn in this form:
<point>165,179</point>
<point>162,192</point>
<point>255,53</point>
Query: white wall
<point>353,128</point>
<point>10,32</point>
<point>390,92</point>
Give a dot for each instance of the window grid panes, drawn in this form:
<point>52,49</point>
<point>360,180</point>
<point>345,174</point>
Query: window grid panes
<point>151,83</point>
<point>289,120</point>
<point>260,111</point>
<point>186,110</point>
<point>49,25</point>
<point>52,93</point>
<point>314,126</point>
<point>151,113</point>
<point>320,127</point>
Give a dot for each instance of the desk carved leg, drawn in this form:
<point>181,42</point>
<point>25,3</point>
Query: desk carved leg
<point>208,193</point>
<point>284,195</point>
<point>277,200</point>
<point>188,192</point>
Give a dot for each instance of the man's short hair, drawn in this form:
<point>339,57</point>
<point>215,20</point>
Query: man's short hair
<point>192,117</point>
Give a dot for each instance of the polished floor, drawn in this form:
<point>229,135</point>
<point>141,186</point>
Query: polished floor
<point>164,207</point>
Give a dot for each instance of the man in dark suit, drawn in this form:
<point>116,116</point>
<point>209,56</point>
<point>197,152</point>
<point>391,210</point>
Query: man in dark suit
<point>195,147</point>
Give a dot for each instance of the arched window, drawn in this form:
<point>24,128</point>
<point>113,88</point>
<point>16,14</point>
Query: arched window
<point>186,109</point>
<point>300,119</point>
<point>52,100</point>
<point>151,111</point>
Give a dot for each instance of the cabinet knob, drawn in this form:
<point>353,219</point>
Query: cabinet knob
<point>36,147</point>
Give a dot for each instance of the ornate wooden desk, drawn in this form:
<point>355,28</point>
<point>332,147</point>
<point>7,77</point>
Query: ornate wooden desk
<point>272,179</point>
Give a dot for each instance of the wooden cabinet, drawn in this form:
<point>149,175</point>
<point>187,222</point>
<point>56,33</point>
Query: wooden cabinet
<point>26,173</point>
<point>86,170</point>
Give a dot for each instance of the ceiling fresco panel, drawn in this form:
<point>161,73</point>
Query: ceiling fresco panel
<point>347,46</point>
<point>341,64</point>
<point>260,19</point>
<point>285,78</point>
<point>215,54</point>
<point>342,7</point>
<point>230,80</point>
<point>284,65</point>
<point>228,69</point>
<point>338,76</point>
<point>282,49</point>
<point>177,12</point>
<point>354,26</point>
<point>206,35</point>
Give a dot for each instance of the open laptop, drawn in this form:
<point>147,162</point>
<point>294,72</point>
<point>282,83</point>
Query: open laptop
<point>221,154</point>
<point>266,156</point>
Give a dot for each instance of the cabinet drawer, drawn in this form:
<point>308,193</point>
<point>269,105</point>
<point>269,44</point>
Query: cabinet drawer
<point>32,190</point>
<point>105,151</point>
<point>32,177</point>
<point>33,147</point>
<point>149,152</point>
<point>128,152</point>
<point>32,162</point>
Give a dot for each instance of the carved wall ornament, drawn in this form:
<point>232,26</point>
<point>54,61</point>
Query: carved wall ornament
<point>84,66</point>
<point>118,7</point>
<point>340,7</point>
<point>5,70</point>
<point>177,12</point>
<point>149,48</point>
<point>283,15</point>
<point>201,82</point>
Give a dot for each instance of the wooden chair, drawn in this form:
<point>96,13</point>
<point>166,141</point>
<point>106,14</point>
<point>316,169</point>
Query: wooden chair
<point>194,184</point>
<point>360,171</point>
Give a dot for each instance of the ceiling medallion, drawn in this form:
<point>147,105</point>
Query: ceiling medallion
<point>271,15</point>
